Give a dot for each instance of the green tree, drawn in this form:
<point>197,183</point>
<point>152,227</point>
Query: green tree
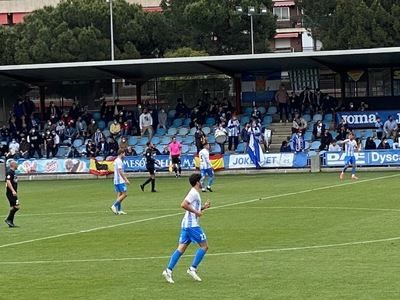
<point>185,52</point>
<point>214,26</point>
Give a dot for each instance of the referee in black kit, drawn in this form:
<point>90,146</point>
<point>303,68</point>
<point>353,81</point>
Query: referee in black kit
<point>150,166</point>
<point>11,193</point>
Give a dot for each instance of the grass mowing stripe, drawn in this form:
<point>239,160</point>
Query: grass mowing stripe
<point>180,213</point>
<point>208,254</point>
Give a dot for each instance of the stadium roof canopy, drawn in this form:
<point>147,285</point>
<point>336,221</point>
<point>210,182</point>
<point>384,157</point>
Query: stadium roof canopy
<point>144,69</point>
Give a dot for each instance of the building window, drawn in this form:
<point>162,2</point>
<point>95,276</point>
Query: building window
<point>282,13</point>
<point>379,82</point>
<point>396,82</point>
<point>356,84</point>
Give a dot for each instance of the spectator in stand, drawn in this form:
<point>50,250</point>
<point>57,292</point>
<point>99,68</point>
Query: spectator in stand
<point>49,126</point>
<point>294,102</point>
<point>116,108</point>
<point>113,147</point>
<point>5,134</point>
<point>213,109</point>
<point>90,149</point>
<point>298,143</point>
<point>123,145</point>
<point>390,128</point>
<point>60,129</point>
<point>66,118</point>
<point>92,127</point>
<point>86,115</point>
<point>384,145</point>
<point>329,104</point>
<point>318,99</point>
<point>13,149</point>
<point>115,129</point>
<point>48,143</point>
<point>74,112</point>
<point>29,107</point>
<point>98,135</point>
<point>282,100</point>
<point>162,119</point>
<point>103,109</point>
<point>318,130</point>
<point>13,127</point>
<point>233,133</point>
<point>57,142</point>
<point>245,136</point>
<point>195,117</point>
<point>220,136</point>
<point>81,127</point>
<point>203,108</point>
<point>24,148</point>
<point>200,138</point>
<point>146,124</point>
<point>299,123</point>
<point>53,111</point>
<point>334,147</point>
<point>379,128</point>
<point>31,122</point>
<point>70,131</point>
<point>370,144</point>
<point>165,150</point>
<point>342,134</point>
<point>221,115</point>
<point>326,140</point>
<point>19,112</point>
<point>306,99</point>
<point>256,114</point>
<point>130,151</point>
<point>363,106</point>
<point>181,110</point>
<point>351,107</point>
<point>102,148</point>
<point>35,140</point>
<point>285,147</point>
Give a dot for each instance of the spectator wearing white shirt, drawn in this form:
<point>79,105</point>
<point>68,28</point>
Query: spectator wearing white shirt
<point>233,133</point>
<point>390,128</point>
<point>334,147</point>
<point>13,149</point>
<point>146,123</point>
<point>162,119</point>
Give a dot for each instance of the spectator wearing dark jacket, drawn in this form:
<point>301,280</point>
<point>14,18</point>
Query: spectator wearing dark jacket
<point>318,130</point>
<point>370,144</point>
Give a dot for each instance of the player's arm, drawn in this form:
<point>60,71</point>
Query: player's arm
<point>186,205</point>
<point>121,173</point>
<point>343,142</point>
<point>206,205</point>
<point>9,185</point>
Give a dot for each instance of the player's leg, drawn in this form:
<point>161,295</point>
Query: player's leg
<point>14,207</point>
<point>353,169</point>
<point>147,181</point>
<point>184,242</point>
<point>210,174</point>
<point>203,177</point>
<point>198,235</point>
<point>346,165</point>
<point>153,181</point>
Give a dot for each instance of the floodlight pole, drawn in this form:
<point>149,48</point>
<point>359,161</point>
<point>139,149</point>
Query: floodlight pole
<point>112,42</point>
<point>252,33</point>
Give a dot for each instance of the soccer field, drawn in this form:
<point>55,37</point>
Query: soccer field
<point>288,236</point>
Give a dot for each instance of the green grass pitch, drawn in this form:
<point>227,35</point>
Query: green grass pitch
<point>288,236</point>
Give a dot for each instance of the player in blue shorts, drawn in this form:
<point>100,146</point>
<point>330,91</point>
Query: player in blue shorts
<point>350,146</point>
<point>120,182</point>
<point>190,231</point>
<point>206,168</point>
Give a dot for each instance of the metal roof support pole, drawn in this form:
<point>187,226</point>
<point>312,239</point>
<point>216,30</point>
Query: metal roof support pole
<point>342,87</point>
<point>139,92</point>
<point>42,93</point>
<point>237,82</point>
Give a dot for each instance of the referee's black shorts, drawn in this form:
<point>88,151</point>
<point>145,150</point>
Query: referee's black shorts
<point>175,159</point>
<point>151,170</point>
<point>13,200</point>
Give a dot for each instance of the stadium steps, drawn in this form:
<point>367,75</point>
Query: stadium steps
<point>280,132</point>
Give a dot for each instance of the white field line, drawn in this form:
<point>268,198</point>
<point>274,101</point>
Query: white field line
<point>180,213</point>
<point>209,254</point>
<point>316,208</point>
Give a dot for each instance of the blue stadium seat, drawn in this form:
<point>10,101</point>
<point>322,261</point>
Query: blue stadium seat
<point>160,131</point>
<point>155,140</point>
<point>185,149</point>
<point>267,120</point>
<point>143,141</point>
<point>328,118</point>
<point>172,131</point>
<point>106,133</point>
<point>171,113</point>
<point>216,148</point>
<point>377,142</point>
<point>187,122</point>
<point>317,117</point>
<point>210,121</point>
<point>165,140</point>
<point>139,149</point>
<point>308,136</point>
<point>96,116</point>
<point>189,139</point>
<point>357,133</point>
<point>368,133</point>
<point>307,117</point>
<point>193,149</point>
<point>101,125</point>
<point>390,141</point>
<point>248,110</point>
<point>206,130</point>
<point>262,110</point>
<point>183,131</point>
<point>272,110</point>
<point>63,151</point>
<point>160,148</point>
<point>177,123</point>
<point>315,145</point>
<point>77,143</point>
<point>192,131</point>
<point>240,148</point>
<point>132,140</point>
<point>211,138</point>
<point>244,120</point>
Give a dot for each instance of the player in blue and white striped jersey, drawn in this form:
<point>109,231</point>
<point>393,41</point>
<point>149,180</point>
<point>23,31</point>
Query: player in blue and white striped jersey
<point>350,146</point>
<point>120,182</point>
<point>206,168</point>
<point>190,231</point>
